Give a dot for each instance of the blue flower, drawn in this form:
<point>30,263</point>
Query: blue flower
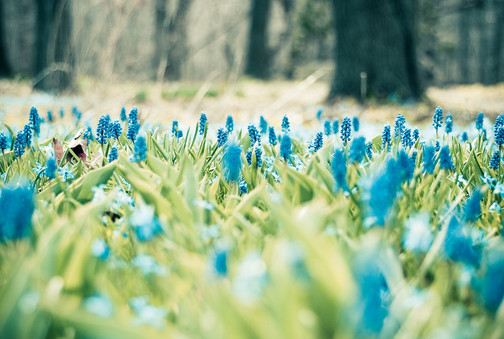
<point>437,118</point>
<point>39,169</point>
<point>437,146</point>
<point>88,134</point>
<point>229,124</point>
<point>416,134</point>
<point>144,222</point>
<point>51,168</point>
<point>448,123</point>
<point>346,130</point>
<point>202,123</point>
<point>479,121</point>
<point>406,138</point>
<point>220,262</point>
<point>263,125</point>
<point>102,131</point>
<point>35,120</point>
<point>272,136</point>
<point>180,134</point>
<point>174,127</point>
<point>459,246</point>
<point>285,125</point>
<point>464,137</point>
<point>222,137</point>
<point>62,113</point>
<point>386,138</point>
<point>499,122</point>
<point>495,160</point>
<point>499,136</point>
<point>472,209</point>
<point>383,192</point>
<point>253,134</point>
<point>16,208</point>
<point>405,167</point>
<point>356,124</point>
<point>133,125</point>
<point>357,150</point>
<point>140,149</point>
<point>317,142</point>
<point>115,129</point>
<point>327,127</point>
<point>319,113</point>
<point>335,126</point>
<point>286,147</point>
<point>19,144</point>
<point>232,162</point>
<point>248,156</point>
<point>445,160</point>
<point>339,170</point>
<point>258,154</point>
<point>100,249</point>
<point>122,115</point>
<point>65,173</point>
<point>113,154</point>
<point>490,286</point>
<point>49,116</point>
<point>3,142</point>
<point>399,125</point>
<point>369,150</point>
<point>27,135</point>
<point>243,187</point>
<point>418,236</point>
<point>428,159</point>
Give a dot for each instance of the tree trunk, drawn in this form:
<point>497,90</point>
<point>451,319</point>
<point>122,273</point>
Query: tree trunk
<point>257,64</point>
<point>177,41</point>
<point>5,67</point>
<point>54,61</point>
<point>496,56</point>
<point>160,15</point>
<point>376,38</point>
<point>463,54</point>
<point>482,24</point>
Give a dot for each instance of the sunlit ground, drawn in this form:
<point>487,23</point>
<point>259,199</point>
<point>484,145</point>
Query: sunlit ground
<point>245,99</point>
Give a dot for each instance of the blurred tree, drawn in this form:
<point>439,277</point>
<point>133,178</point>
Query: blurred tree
<point>160,12</point>
<point>258,53</point>
<point>5,67</point>
<point>377,38</point>
<point>177,39</point>
<point>495,74</point>
<point>54,61</point>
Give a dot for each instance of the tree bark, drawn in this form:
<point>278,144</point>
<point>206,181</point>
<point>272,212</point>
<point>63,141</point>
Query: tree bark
<point>5,67</point>
<point>257,64</point>
<point>160,14</point>
<point>497,44</point>
<point>376,38</point>
<point>177,41</point>
<point>463,43</point>
<point>54,62</point>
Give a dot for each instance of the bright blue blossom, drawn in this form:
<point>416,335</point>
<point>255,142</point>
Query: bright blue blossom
<point>51,167</point>
<point>327,127</point>
<point>49,116</point>
<point>339,170</point>
<point>357,149</point>
<point>140,149</point>
<point>383,192</point>
<point>499,122</point>
<point>222,137</point>
<point>319,114</point>
<point>232,163</point>
<point>406,138</point>
<point>35,121</point>
<point>243,187</point>
<point>335,126</point>
<point>145,223</point>
<point>495,160</point>
<point>174,128</point>
<point>115,129</point>
<point>202,123</point>
<point>286,147</point>
<point>399,125</point>
<point>3,142</point>
<point>88,134</point>
<point>464,137</point>
<point>263,125</point>
<point>27,133</point>
<point>459,246</point>
<point>356,124</point>
<point>16,208</point>
<point>437,118</point>
<point>437,146</point>
<point>416,135</point>
<point>490,286</point>
<point>448,123</point>
<point>19,144</point>
<point>258,154</point>
<point>248,156</point>
<point>113,154</point>
<point>62,113</point>
<point>285,125</point>
<point>253,134</point>
<point>346,130</point>
<point>220,256</point>
<point>445,160</point>
<point>180,134</point>
<point>122,115</point>
<point>429,162</point>
<point>472,209</point>
<point>499,136</point>
<point>317,142</point>
<point>479,121</point>
<point>229,124</point>
<point>102,131</point>
<point>386,138</point>
<point>404,167</point>
<point>133,125</point>
<point>65,173</point>
<point>100,249</point>
<point>272,136</point>
<point>369,150</point>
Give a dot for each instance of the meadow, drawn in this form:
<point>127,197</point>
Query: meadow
<point>125,227</point>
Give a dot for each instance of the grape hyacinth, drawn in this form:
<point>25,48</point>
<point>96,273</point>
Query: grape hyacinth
<point>243,187</point>
<point>356,124</point>
<point>472,208</point>
<point>140,149</point>
<point>115,129</point>
<point>258,154</point>
<point>122,115</point>
<point>369,150</point>
<point>253,134</point>
<point>103,129</point>
<point>416,135</point>
<point>339,170</point>
<point>229,124</point>
<point>319,114</point>
<point>62,113</point>
<point>464,137</point>
<point>386,138</point>
<point>499,122</point>
<point>19,144</point>
<point>495,160</point>
<point>202,123</point>
<point>232,163</point>
<point>35,121</point>
<point>285,125</point>
<point>49,116</point>
<point>445,160</point>
<point>437,118</point>
<point>448,124</point>
<point>335,126</point>
<point>437,146</point>
<point>479,121</point>
<point>222,137</point>
<point>346,130</point>
<point>428,159</point>
<point>357,150</point>
<point>51,167</point>
<point>285,147</point>
<point>399,125</point>
<point>174,128</point>
<point>317,142</point>
<point>133,125</point>
<point>263,125</point>
<point>16,208</point>
<point>406,140</point>
<point>272,136</point>
<point>248,157</point>
<point>3,142</point>
<point>327,127</point>
<point>113,154</point>
<point>27,135</point>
